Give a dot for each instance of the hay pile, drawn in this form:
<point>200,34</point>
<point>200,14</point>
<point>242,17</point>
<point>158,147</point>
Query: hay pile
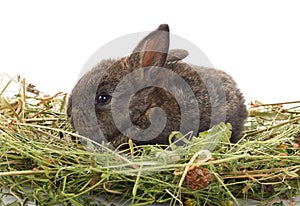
<point>42,160</point>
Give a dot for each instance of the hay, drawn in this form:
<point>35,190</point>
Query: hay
<point>42,160</point>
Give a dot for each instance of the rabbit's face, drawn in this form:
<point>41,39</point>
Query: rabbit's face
<point>104,95</point>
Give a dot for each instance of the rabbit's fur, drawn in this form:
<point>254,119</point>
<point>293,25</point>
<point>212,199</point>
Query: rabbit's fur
<point>101,96</point>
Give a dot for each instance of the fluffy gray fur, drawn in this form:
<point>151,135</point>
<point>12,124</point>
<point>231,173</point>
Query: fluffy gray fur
<point>215,95</point>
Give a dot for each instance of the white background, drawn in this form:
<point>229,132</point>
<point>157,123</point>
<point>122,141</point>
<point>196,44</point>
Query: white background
<point>257,42</point>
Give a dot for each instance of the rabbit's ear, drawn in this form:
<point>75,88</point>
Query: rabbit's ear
<point>177,55</point>
<point>152,50</point>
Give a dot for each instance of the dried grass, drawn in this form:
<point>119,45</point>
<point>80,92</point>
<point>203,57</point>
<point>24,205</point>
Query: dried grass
<point>42,160</point>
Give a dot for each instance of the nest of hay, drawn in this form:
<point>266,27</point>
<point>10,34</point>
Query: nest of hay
<point>42,160</point>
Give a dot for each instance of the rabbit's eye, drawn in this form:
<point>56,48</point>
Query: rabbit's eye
<point>103,99</point>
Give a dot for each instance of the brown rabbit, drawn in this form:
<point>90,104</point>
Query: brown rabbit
<point>152,92</point>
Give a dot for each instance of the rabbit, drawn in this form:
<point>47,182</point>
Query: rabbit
<point>152,92</point>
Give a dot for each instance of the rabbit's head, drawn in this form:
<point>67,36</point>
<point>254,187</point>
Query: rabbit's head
<point>114,101</point>
<point>150,93</point>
